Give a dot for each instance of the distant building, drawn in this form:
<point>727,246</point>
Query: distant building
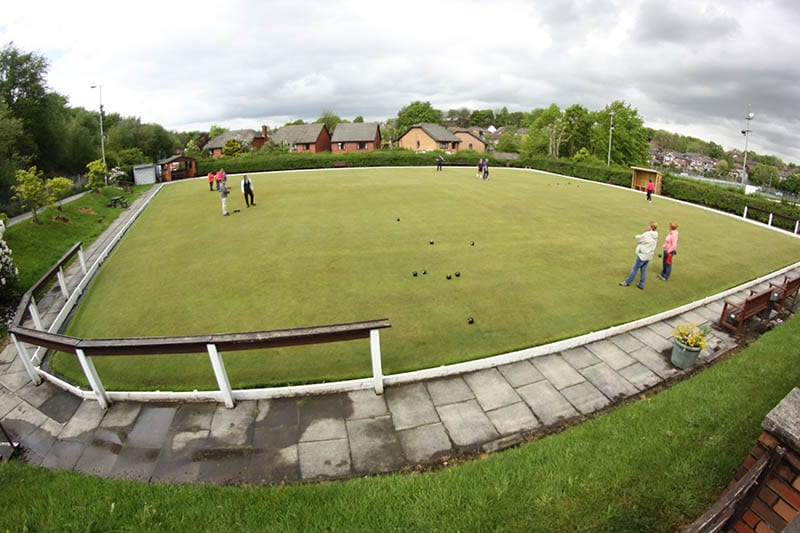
<point>469,140</point>
<point>313,138</point>
<point>356,137</point>
<point>247,138</point>
<point>426,137</point>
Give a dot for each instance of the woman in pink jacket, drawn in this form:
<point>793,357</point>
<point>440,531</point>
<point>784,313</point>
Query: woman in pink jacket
<point>670,249</point>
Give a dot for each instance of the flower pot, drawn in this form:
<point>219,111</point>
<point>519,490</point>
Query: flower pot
<point>684,356</point>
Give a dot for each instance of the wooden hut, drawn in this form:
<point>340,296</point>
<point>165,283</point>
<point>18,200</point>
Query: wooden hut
<point>642,175</point>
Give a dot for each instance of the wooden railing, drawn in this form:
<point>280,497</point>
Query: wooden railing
<point>772,219</point>
<point>213,344</point>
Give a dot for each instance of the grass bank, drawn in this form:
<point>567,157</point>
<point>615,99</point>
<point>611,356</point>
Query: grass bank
<point>651,465</point>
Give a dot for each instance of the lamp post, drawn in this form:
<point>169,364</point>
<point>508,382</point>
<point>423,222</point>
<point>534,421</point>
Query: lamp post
<point>610,137</point>
<point>746,133</point>
<point>102,137</point>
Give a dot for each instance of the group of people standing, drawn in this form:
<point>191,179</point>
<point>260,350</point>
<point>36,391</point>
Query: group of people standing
<point>645,250</point>
<point>483,168</point>
<point>221,179</point>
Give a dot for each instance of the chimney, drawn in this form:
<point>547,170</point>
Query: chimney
<point>264,131</point>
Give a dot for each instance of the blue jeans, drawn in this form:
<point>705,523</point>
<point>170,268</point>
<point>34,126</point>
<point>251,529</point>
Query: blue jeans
<point>666,268</point>
<point>641,266</point>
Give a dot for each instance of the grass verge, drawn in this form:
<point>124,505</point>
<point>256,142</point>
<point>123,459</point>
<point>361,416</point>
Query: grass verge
<point>650,465</point>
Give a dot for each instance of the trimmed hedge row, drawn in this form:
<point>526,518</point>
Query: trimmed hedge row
<point>294,161</point>
<point>728,199</point>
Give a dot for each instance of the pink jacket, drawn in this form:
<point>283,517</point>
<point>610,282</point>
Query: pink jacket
<point>671,242</point>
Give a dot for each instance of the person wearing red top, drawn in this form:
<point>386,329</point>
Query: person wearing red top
<point>650,188</point>
<point>211,181</point>
<point>669,251</point>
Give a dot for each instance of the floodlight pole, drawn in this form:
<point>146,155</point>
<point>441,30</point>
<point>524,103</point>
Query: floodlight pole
<point>610,137</point>
<point>102,137</point>
<point>746,133</point>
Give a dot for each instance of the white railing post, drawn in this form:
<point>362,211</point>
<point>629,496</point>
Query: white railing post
<point>377,366</point>
<point>82,260</point>
<point>796,225</point>
<point>745,212</point>
<point>63,283</point>
<point>26,361</point>
<point>93,377</point>
<point>221,374</point>
<point>34,310</point>
<point>770,220</point>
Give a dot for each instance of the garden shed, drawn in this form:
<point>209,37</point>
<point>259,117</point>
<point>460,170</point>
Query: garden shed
<point>144,174</point>
<point>642,175</point>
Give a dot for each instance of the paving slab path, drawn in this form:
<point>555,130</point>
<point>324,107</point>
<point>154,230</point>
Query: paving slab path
<point>342,435</point>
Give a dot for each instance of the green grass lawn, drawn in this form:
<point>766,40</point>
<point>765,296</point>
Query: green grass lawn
<point>651,465</point>
<point>327,247</point>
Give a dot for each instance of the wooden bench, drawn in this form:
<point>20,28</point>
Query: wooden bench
<point>118,201</point>
<point>339,164</point>
<point>790,289</point>
<point>735,315</point>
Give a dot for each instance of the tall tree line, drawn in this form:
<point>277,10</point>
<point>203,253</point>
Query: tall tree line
<point>39,128</point>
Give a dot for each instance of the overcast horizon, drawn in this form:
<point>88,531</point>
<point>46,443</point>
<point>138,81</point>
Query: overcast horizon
<point>686,67</point>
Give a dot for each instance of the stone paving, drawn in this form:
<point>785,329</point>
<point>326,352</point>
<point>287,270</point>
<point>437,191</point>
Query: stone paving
<point>335,436</point>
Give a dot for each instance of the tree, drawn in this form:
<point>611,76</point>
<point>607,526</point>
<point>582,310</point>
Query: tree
<point>508,142</point>
<point>763,175</point>
<point>58,187</point>
<point>722,168</point>
<point>629,143</point>
<point>330,120</point>
<point>578,123</point>
<point>215,130</point>
<point>791,184</point>
<point>31,191</point>
<point>417,113</point>
<point>458,118</point>
<point>10,158</point>
<point>358,120</point>
<point>97,174</point>
<point>482,118</point>
<point>42,112</point>
<point>232,148</point>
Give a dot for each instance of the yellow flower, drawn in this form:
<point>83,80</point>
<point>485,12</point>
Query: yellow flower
<point>691,335</point>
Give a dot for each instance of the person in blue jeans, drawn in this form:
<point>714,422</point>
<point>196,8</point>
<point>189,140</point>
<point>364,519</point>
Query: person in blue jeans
<point>645,249</point>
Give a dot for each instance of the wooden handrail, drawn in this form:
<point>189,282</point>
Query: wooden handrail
<point>198,343</point>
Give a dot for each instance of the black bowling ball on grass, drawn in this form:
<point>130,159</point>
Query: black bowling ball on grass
<point>470,320</point>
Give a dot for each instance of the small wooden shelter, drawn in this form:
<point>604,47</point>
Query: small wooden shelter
<point>642,175</point>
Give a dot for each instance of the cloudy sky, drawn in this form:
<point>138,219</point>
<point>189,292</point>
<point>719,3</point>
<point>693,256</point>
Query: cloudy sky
<point>687,66</point>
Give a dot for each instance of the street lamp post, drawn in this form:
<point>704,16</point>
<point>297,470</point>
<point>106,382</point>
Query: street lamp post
<point>102,137</point>
<point>610,137</point>
<point>746,133</point>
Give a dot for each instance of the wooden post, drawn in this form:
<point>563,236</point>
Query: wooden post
<point>63,283</point>
<point>82,260</point>
<point>221,374</point>
<point>93,377</point>
<point>377,367</point>
<point>26,361</point>
<point>34,310</point>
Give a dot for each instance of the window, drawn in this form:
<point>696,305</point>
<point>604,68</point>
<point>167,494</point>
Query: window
<point>306,146</point>
<point>341,146</point>
<point>362,146</point>
<point>443,145</point>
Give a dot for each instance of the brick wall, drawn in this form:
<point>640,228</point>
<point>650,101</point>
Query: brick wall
<point>776,501</point>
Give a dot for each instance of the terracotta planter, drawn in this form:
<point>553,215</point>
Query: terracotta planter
<point>684,356</point>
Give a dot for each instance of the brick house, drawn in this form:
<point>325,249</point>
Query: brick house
<point>356,137</point>
<point>247,138</point>
<point>313,138</point>
<point>427,137</point>
<point>469,140</point>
